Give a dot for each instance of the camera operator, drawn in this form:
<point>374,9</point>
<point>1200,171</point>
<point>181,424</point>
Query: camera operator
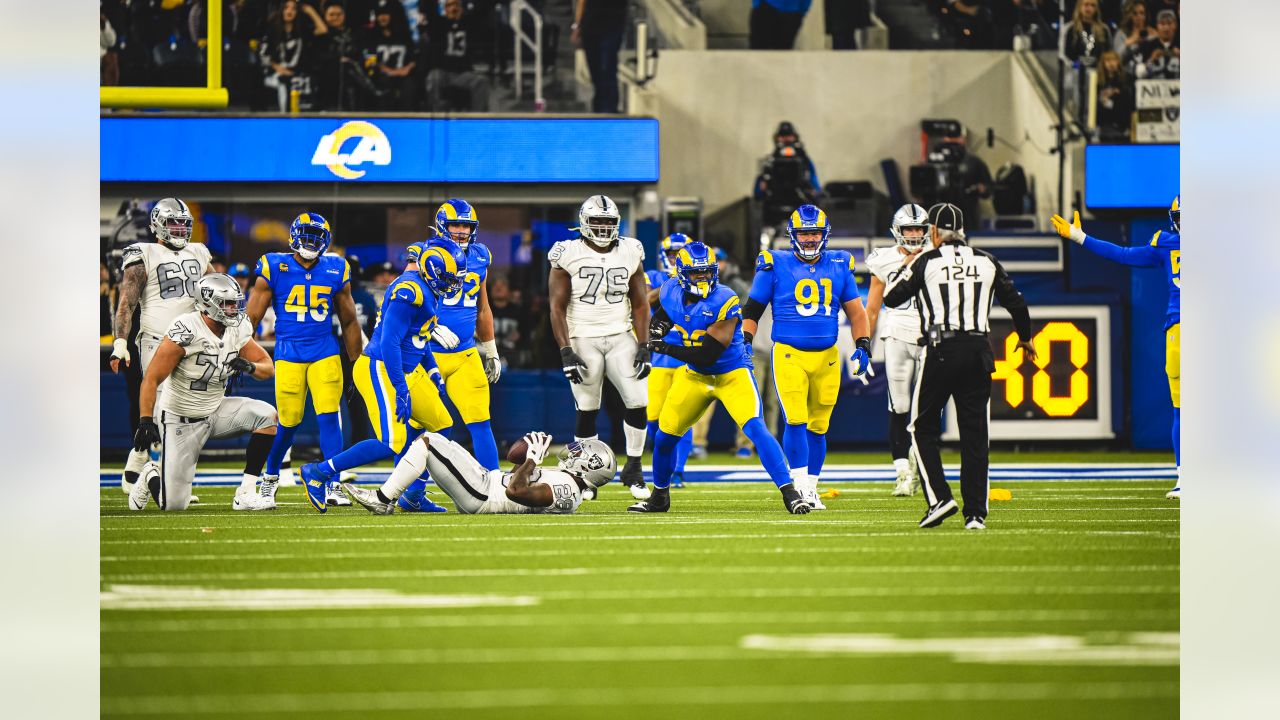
<point>964,180</point>
<point>787,177</point>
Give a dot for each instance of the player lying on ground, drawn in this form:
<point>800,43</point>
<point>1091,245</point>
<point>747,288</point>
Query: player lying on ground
<point>201,351</point>
<point>1164,250</point>
<point>527,488</point>
<point>665,366</point>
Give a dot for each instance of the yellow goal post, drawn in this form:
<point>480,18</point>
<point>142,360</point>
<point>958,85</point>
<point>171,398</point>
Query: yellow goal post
<point>211,97</point>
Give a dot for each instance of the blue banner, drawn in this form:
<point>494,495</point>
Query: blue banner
<point>456,150</point>
<point>1131,176</point>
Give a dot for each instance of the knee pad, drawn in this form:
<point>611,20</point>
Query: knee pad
<point>585,426</point>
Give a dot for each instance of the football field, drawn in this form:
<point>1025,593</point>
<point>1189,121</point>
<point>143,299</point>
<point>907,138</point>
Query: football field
<point>727,607</point>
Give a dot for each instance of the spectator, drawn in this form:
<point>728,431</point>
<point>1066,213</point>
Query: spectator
<point>1133,30</point>
<point>787,177</point>
<point>395,73</point>
<point>451,40</point>
<point>775,23</point>
<point>242,275</point>
<point>844,19</point>
<point>344,84</point>
<point>380,278</point>
<point>1087,35</point>
<point>1160,56</point>
<point>511,323</point>
<point>598,28</point>
<point>108,60</point>
<point>288,51</point>
<point>1115,99</point>
<point>973,22</point>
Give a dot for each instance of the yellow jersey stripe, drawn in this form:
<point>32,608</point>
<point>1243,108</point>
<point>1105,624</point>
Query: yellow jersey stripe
<point>264,268</point>
<point>768,256</point>
<point>1155,239</point>
<point>417,291</point>
<point>729,305</point>
<point>346,272</point>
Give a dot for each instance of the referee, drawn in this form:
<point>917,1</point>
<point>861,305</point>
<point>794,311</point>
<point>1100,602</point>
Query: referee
<point>955,284</point>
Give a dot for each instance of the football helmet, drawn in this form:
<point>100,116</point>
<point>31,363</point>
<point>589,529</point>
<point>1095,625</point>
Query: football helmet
<point>670,247</point>
<point>591,461</point>
<point>454,212</point>
<point>910,216</point>
<point>442,264</point>
<point>309,235</point>
<point>598,220</point>
<point>1175,213</point>
<point>697,270</point>
<point>219,297</point>
<point>171,222</point>
<point>808,218</point>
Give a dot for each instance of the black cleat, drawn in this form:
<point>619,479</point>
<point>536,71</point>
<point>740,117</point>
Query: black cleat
<point>794,501</point>
<point>938,512</point>
<point>632,476</point>
<point>659,501</point>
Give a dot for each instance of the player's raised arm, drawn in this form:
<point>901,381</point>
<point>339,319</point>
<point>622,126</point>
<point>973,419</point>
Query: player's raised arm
<point>1141,256</point>
<point>135,278</point>
<point>520,488</point>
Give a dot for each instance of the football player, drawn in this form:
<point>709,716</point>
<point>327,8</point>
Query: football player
<point>903,339</point>
<point>303,287</point>
<point>807,288</point>
<point>707,318</point>
<point>200,352</point>
<point>1164,250</point>
<point>600,318</point>
<point>477,490</point>
<point>397,375</point>
<point>161,277</point>
<point>665,367</point>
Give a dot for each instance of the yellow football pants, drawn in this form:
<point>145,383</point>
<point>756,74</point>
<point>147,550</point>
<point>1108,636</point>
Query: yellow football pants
<point>293,379</point>
<point>466,384</point>
<point>660,380</point>
<point>428,410</point>
<point>1173,362</point>
<point>808,383</point>
<point>692,392</point>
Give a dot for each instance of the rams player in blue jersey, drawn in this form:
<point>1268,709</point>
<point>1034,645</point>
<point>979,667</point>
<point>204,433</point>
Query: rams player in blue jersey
<point>664,366</point>
<point>707,319</point>
<point>807,288</point>
<point>303,287</point>
<point>1165,251</point>
<point>397,374</point>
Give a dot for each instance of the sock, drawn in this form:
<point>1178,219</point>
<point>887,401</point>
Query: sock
<point>650,432</point>
<point>362,453</point>
<point>899,436</point>
<point>800,477</point>
<point>633,429</point>
<point>382,497</point>
<point>771,457</point>
<point>255,456</point>
<point>133,466</point>
<point>248,482</point>
<point>664,459</point>
<point>585,425</point>
<point>795,443</point>
<point>1177,437</point>
<point>411,465</point>
<point>483,445</point>
<point>283,441</point>
<point>683,448</point>
<point>330,434</point>
<point>817,454</point>
<point>901,465</point>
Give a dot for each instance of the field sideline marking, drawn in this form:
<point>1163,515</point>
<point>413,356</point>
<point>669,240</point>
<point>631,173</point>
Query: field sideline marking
<point>160,597</point>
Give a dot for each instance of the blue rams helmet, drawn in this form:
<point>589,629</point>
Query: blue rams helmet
<point>309,235</point>
<point>1175,212</point>
<point>696,269</point>
<point>454,212</point>
<point>670,246</point>
<point>442,263</point>
<point>808,218</point>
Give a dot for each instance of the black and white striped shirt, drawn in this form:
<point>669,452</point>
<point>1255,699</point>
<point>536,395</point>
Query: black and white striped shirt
<point>954,285</point>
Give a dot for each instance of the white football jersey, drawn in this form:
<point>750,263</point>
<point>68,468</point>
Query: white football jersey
<point>199,381</point>
<point>568,495</point>
<point>901,323</point>
<point>171,281</point>
<point>598,300</point>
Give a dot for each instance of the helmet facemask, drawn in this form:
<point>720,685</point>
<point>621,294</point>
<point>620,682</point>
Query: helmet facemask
<point>461,232</point>
<point>590,461</point>
<point>600,229</point>
<point>309,242</point>
<point>699,280</point>
<point>808,243</point>
<point>172,223</point>
<point>907,236</point>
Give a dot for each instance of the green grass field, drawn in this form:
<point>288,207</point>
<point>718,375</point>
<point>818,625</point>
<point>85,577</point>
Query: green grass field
<point>1067,607</point>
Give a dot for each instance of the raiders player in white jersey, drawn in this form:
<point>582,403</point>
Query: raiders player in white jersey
<point>902,337</point>
<point>200,352</point>
<point>161,276</point>
<point>526,488</point>
<point>600,317</point>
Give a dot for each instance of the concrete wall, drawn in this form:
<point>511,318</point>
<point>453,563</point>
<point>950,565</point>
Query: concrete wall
<point>718,111</point>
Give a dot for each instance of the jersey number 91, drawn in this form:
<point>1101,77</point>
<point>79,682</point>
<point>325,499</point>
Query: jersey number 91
<point>808,296</point>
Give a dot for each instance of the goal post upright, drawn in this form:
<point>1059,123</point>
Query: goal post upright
<point>211,97</point>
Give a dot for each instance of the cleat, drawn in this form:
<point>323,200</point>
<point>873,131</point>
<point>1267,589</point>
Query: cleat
<point>267,488</point>
<point>1175,493</point>
<point>195,500</point>
<point>905,486</point>
<point>974,523</point>
<point>698,452</point>
<point>658,501</point>
<point>939,512</point>
<point>743,453</point>
<point>316,482</point>
<point>141,491</point>
<point>125,485</point>
<point>368,499</point>
<point>813,499</point>
<point>346,476</point>
<point>589,494</point>
<point>793,501</point>
<point>677,480</point>
<point>334,497</point>
<point>633,477</point>
<point>252,500</point>
<point>421,505</point>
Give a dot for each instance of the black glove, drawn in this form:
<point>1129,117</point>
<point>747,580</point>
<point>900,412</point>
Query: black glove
<point>659,329</point>
<point>239,366</point>
<point>641,363</point>
<point>661,347</point>
<point>572,364</point>
<point>747,338</point>
<point>148,434</point>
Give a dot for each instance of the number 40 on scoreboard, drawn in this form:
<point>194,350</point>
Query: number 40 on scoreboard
<point>1066,393</point>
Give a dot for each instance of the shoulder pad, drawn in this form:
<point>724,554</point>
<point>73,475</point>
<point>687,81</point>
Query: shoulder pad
<point>182,333</point>
<point>408,291</point>
<point>1155,239</point>
<point>483,252</point>
<point>132,255</point>
<point>764,261</point>
<point>413,252</point>
<point>728,307</point>
<point>557,251</point>
<point>201,249</point>
<point>639,246</point>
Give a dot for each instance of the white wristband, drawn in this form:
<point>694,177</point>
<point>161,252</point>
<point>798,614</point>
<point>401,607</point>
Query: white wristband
<point>119,347</point>
<point>488,348</point>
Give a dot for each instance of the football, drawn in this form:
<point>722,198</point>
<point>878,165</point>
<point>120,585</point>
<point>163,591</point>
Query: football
<point>518,452</point>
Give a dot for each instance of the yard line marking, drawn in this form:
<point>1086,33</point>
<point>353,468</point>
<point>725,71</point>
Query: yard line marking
<point>151,597</point>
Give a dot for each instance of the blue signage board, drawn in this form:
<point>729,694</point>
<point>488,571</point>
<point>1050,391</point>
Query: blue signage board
<point>453,150</point>
<point>1131,176</point>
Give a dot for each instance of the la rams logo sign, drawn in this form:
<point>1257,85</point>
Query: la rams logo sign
<point>367,145</point>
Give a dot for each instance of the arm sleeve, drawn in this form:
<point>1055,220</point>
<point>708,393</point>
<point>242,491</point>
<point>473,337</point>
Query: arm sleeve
<point>1141,256</point>
<point>705,354</point>
<point>429,361</point>
<point>659,315</point>
<point>396,317</point>
<point>907,285</point>
<point>1012,300</point>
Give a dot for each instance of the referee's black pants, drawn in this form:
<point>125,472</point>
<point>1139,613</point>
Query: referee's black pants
<point>958,368</point>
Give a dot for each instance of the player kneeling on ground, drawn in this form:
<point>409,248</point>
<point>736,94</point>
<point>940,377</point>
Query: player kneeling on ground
<point>526,489</point>
<point>201,351</point>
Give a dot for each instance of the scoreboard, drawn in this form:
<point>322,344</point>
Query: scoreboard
<point>1065,394</point>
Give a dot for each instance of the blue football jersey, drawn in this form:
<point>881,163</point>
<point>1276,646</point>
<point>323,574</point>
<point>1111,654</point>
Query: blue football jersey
<point>1171,245</point>
<point>806,298</point>
<point>458,312</point>
<point>412,289</point>
<point>655,280</point>
<point>691,320</point>
<point>303,300</point>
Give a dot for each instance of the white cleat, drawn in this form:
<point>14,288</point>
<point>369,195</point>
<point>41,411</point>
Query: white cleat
<point>368,499</point>
<point>905,487</point>
<point>247,499</point>
<point>641,492</point>
<point>347,476</point>
<point>975,523</point>
<point>195,500</point>
<point>1175,493</point>
<point>140,495</point>
<point>125,485</point>
<point>334,498</point>
<point>267,487</point>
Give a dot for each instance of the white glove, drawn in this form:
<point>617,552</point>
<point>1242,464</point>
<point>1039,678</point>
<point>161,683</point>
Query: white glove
<point>1068,230</point>
<point>539,443</point>
<point>443,335</point>
<point>489,358</point>
<point>119,351</point>
<point>865,378</point>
